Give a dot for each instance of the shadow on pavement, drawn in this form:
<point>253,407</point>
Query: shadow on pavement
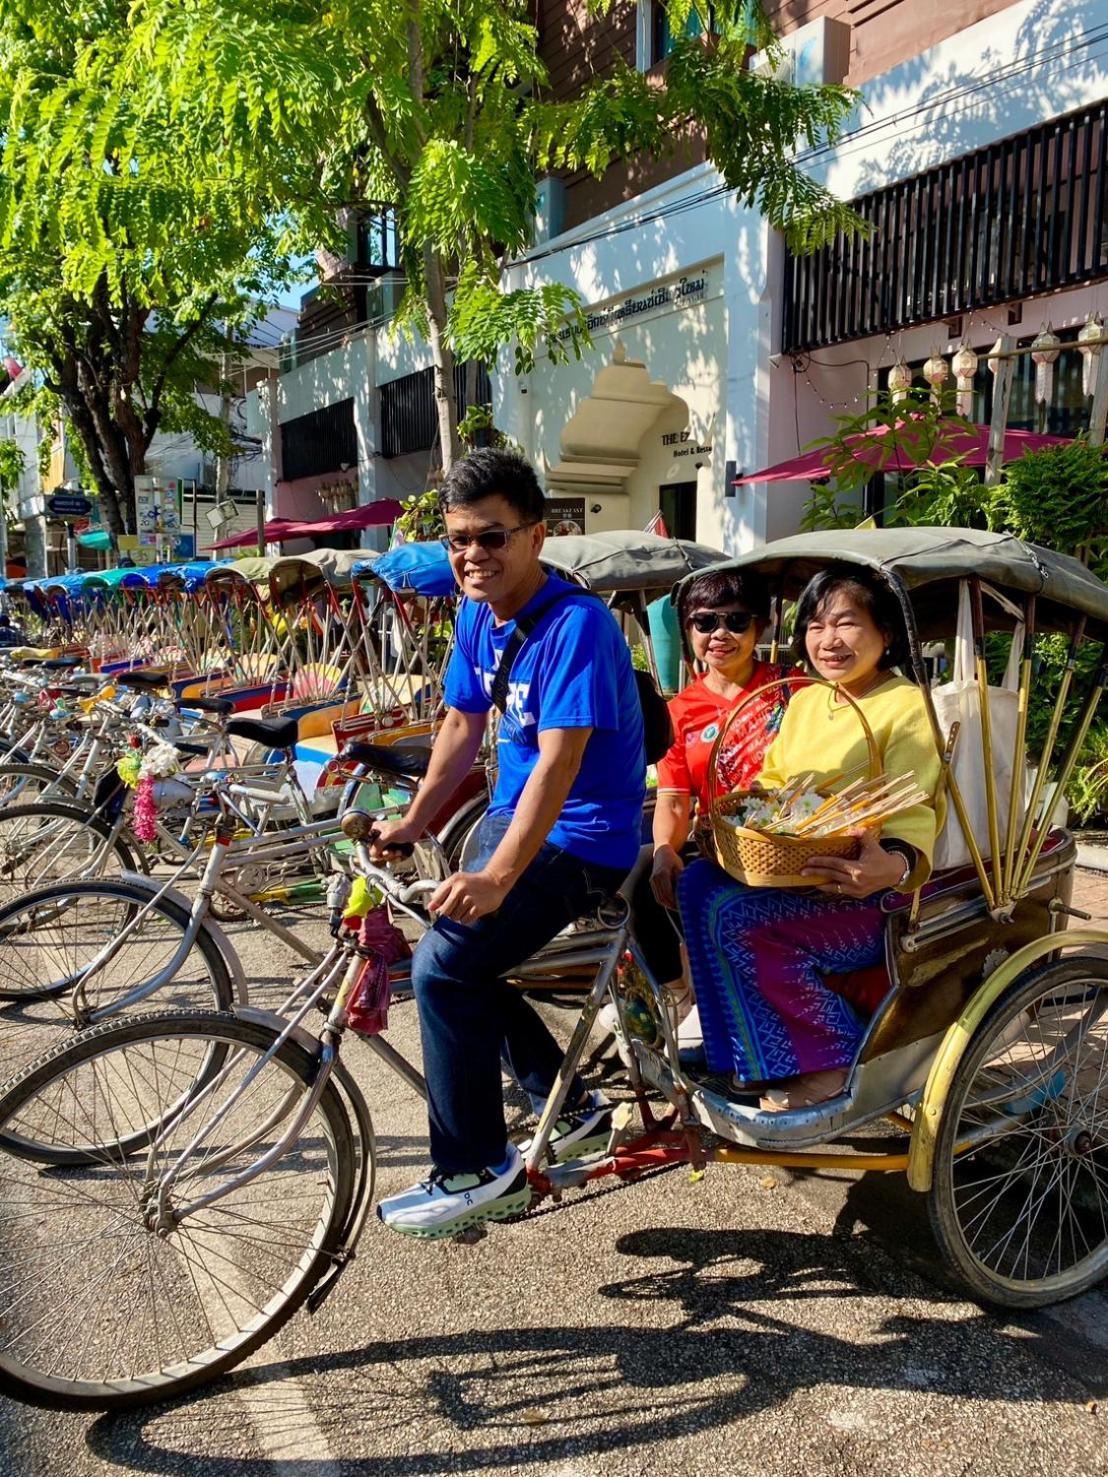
<point>754,1317</point>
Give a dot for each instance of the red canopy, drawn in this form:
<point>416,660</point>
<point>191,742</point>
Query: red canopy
<point>970,446</point>
<point>367,515</point>
<point>277,530</point>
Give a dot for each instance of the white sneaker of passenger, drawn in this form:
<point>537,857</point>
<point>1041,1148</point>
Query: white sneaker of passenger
<point>583,1130</point>
<point>445,1204</point>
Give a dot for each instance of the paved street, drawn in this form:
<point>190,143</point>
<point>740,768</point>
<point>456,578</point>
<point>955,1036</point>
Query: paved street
<point>750,1323</point>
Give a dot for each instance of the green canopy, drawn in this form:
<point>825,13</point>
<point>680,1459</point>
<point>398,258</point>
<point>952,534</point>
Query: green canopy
<point>109,579</point>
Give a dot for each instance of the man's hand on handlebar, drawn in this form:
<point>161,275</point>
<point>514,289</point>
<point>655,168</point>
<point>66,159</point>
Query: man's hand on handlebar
<point>467,896</point>
<point>387,837</point>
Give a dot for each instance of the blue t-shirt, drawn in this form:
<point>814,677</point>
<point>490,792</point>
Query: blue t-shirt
<point>573,671</point>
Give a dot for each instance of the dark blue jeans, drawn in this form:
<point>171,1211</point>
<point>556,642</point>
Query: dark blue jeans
<point>469,1017</point>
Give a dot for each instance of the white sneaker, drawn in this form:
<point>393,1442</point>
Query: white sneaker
<point>445,1204</point>
<point>583,1130</point>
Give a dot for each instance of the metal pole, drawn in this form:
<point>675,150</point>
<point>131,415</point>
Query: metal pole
<point>259,498</point>
<point>70,549</point>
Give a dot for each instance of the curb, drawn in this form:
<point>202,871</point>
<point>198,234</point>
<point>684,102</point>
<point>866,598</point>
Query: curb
<point>1092,858</point>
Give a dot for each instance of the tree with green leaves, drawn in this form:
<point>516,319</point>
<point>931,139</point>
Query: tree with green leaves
<point>11,469</point>
<point>125,278</point>
<point>441,109</point>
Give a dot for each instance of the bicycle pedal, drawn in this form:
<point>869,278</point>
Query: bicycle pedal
<point>471,1235</point>
<point>622,1116</point>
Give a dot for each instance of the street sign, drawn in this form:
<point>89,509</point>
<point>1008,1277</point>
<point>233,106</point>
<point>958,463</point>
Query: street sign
<point>68,505</point>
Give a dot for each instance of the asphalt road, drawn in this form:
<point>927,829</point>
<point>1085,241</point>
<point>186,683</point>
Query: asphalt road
<point>749,1323</point>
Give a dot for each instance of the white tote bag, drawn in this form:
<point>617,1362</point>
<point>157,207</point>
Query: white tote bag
<point>959,701</point>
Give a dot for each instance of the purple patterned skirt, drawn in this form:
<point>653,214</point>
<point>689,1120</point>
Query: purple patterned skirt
<point>758,957</point>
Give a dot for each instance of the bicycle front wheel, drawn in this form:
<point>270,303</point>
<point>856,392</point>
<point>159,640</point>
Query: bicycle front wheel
<point>1019,1202</point>
<point>48,937</point>
<point>21,784</point>
<point>53,841</point>
<point>113,1298</point>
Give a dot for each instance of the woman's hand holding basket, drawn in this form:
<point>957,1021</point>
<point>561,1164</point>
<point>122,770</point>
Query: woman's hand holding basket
<point>873,870</point>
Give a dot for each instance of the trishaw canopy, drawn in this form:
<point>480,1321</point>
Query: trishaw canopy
<point>420,567</point>
<point>310,572</point>
<point>927,561</point>
<point>613,562</point>
<point>624,559</point>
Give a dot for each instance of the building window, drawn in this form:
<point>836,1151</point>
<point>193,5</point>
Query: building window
<point>656,36</point>
<point>321,441</point>
<point>409,419</point>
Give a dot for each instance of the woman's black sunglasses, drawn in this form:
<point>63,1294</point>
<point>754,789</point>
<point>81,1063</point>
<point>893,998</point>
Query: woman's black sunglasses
<point>736,621</point>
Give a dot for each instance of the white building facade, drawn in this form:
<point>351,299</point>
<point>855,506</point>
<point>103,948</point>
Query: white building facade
<point>688,384</point>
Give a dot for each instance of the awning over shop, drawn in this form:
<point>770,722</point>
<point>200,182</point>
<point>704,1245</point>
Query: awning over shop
<point>275,530</point>
<point>377,514</point>
<point>971,448</point>
<point>97,538</point>
<point>368,515</point>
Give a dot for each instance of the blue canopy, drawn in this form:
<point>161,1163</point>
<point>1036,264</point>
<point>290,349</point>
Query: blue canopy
<point>422,567</point>
<point>189,577</point>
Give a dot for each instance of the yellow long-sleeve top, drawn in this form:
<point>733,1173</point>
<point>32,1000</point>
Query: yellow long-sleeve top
<point>823,736</point>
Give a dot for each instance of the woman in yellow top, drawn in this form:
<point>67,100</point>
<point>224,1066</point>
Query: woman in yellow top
<point>763,960</point>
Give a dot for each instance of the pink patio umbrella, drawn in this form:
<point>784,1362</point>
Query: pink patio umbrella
<point>971,446</point>
<point>367,515</point>
<point>275,530</point>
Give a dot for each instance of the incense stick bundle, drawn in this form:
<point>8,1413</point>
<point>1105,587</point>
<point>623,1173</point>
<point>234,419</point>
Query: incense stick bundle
<point>800,811</point>
<point>871,805</point>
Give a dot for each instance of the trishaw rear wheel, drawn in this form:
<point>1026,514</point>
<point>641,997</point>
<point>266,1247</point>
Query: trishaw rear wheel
<point>1019,1200</point>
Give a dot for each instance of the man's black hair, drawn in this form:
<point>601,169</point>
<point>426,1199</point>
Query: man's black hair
<point>874,596</point>
<point>488,471</point>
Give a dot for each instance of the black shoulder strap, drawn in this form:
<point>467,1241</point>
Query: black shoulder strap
<point>525,624</point>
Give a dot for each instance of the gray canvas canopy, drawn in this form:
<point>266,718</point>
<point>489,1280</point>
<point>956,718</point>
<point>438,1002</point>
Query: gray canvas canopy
<point>309,573</point>
<point>624,561</point>
<point>929,563</point>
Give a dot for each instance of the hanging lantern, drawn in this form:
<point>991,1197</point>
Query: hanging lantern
<point>935,372</point>
<point>1044,353</point>
<point>1089,339</point>
<point>900,381</point>
<point>964,365</point>
<point>997,356</point>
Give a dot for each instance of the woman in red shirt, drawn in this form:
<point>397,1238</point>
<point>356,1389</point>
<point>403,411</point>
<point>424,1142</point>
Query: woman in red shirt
<point>722,618</point>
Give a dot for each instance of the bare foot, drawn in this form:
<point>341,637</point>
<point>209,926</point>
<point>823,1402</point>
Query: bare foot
<point>806,1091</point>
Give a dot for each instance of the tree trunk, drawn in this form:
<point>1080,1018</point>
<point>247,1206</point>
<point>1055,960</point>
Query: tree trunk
<point>443,359</point>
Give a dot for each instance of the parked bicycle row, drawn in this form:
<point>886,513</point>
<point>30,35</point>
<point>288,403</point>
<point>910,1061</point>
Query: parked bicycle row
<point>879,937</point>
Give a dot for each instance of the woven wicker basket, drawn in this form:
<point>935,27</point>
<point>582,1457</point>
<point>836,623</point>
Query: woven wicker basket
<point>775,861</point>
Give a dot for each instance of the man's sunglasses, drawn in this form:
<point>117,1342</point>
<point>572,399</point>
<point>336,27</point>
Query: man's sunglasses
<point>736,621</point>
<point>491,538</point>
